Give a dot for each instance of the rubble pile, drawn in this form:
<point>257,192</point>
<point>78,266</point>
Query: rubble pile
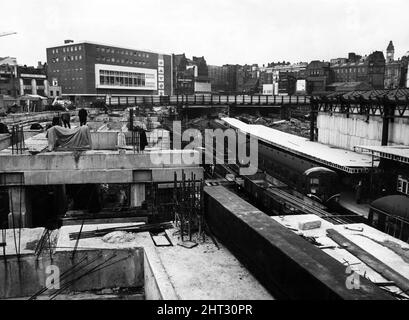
<point>119,237</point>
<point>293,126</point>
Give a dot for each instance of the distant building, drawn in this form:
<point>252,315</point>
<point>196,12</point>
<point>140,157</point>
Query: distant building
<point>248,79</point>
<point>318,77</point>
<point>287,82</point>
<point>370,69</point>
<point>191,76</point>
<point>9,84</point>
<point>33,80</point>
<point>85,69</point>
<point>396,71</point>
<point>201,72</point>
<point>223,78</point>
<point>184,78</point>
<point>17,81</point>
<point>390,52</point>
<point>271,74</point>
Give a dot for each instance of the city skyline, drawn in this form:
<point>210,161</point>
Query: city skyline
<point>227,32</point>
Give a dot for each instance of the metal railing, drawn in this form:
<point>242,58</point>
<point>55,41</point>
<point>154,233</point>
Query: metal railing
<point>208,99</point>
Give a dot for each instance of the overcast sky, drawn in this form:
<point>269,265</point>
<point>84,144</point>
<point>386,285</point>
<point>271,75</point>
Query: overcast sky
<point>224,31</point>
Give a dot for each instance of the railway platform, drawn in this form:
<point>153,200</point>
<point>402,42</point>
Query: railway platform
<point>347,201</point>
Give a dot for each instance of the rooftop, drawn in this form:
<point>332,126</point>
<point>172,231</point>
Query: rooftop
<point>105,45</point>
<point>398,153</point>
<point>345,160</point>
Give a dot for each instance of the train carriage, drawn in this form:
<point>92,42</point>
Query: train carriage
<point>391,215</point>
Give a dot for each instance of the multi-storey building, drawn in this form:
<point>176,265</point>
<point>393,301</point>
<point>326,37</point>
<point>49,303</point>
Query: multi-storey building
<point>318,76</point>
<point>223,78</point>
<point>89,69</point>
<point>396,71</point>
<point>248,79</point>
<point>370,70</point>
<point>8,77</point>
<point>17,81</point>
<point>191,75</point>
<point>287,72</point>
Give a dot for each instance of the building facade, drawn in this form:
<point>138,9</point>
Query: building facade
<point>248,79</point>
<point>17,81</point>
<point>223,78</point>
<point>87,68</point>
<point>370,69</point>
<point>396,71</point>
<point>191,76</point>
<point>318,76</point>
<point>286,73</point>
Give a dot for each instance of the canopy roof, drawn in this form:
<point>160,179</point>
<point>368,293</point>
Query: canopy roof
<point>396,205</point>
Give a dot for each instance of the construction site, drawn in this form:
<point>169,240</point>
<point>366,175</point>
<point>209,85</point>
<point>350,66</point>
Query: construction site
<point>134,174</point>
<point>95,212</point>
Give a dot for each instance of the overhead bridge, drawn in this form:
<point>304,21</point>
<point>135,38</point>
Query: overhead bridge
<point>207,100</point>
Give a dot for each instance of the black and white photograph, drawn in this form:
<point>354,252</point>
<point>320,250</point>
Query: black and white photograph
<point>204,158</point>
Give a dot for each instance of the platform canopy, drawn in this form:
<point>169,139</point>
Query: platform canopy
<point>341,159</point>
<point>399,153</point>
<point>401,94</point>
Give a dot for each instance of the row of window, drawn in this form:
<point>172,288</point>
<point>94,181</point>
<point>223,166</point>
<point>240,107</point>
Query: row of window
<point>74,79</point>
<point>125,79</point>
<point>315,72</point>
<point>123,61</point>
<point>123,52</point>
<point>359,70</point>
<point>67,49</point>
<point>125,74</point>
<point>67,58</point>
<point>67,70</point>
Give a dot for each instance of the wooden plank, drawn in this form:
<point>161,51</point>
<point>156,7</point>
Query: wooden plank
<point>373,262</point>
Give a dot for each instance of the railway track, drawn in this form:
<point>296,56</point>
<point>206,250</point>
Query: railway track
<point>286,195</point>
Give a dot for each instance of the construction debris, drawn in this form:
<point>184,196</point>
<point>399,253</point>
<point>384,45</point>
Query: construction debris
<point>119,237</point>
<point>158,227</point>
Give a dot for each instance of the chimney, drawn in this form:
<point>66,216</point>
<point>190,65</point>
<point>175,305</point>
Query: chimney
<point>68,41</point>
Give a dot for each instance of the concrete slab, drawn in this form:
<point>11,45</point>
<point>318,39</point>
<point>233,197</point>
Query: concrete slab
<point>180,273</point>
<point>95,167</point>
<point>288,265</point>
<point>389,250</point>
<point>204,272</point>
<point>28,239</point>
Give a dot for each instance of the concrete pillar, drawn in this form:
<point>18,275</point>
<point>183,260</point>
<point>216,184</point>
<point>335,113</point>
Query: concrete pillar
<point>20,212</point>
<point>33,86</point>
<point>21,84</point>
<point>137,195</point>
<point>46,88</point>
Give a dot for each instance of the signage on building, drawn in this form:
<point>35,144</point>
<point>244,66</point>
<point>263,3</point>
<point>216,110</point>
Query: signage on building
<point>268,89</point>
<point>301,85</point>
<point>203,87</point>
